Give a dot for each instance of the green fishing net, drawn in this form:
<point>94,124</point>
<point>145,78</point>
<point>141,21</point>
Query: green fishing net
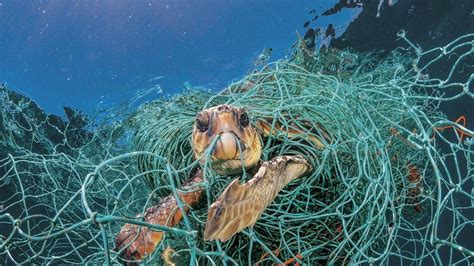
<point>394,182</point>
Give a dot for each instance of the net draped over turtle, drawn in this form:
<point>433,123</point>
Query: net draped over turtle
<point>392,171</point>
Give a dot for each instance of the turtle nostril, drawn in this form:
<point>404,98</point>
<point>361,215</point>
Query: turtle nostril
<point>223,107</point>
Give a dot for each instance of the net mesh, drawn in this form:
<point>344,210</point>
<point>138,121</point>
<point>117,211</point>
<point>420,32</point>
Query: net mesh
<point>393,183</point>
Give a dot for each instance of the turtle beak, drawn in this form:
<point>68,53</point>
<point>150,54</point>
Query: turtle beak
<point>228,147</point>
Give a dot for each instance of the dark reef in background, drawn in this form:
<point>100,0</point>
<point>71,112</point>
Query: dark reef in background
<point>29,127</point>
<point>429,23</point>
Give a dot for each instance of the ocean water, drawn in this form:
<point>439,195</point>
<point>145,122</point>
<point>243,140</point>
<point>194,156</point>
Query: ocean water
<point>82,53</point>
<point>98,123</point>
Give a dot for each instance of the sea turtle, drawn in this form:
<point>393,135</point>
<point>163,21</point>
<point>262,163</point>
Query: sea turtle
<point>224,138</point>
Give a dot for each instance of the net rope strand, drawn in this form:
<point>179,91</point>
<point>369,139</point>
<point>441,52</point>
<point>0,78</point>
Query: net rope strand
<point>394,182</point>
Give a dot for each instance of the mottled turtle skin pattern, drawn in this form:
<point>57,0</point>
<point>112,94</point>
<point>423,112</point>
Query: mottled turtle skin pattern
<point>223,138</point>
<point>142,241</point>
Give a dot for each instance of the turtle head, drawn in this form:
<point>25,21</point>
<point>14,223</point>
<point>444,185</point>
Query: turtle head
<point>238,145</point>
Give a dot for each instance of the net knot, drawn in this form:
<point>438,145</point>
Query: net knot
<point>93,217</point>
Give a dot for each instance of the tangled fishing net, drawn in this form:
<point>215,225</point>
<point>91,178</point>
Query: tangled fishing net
<point>394,181</point>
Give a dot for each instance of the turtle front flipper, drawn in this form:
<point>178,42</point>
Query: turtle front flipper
<point>240,206</point>
<point>135,242</point>
<point>315,134</point>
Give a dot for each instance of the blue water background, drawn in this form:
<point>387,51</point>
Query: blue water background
<point>85,53</point>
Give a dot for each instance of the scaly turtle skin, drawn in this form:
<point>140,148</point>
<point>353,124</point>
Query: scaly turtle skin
<point>238,147</point>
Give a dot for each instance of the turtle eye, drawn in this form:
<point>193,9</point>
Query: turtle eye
<point>244,120</point>
<point>201,125</point>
